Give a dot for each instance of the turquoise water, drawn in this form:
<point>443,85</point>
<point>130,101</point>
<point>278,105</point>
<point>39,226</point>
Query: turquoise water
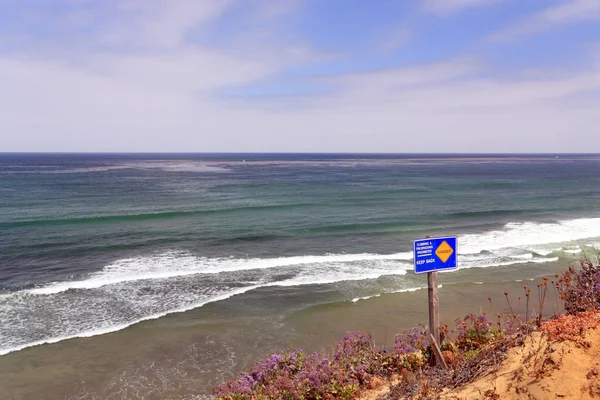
<point>92,244</point>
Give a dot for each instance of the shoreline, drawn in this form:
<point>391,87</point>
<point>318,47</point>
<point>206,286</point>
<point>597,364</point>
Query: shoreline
<point>195,337</point>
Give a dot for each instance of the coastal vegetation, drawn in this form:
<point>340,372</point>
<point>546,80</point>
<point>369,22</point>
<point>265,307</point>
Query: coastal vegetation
<point>473,348</point>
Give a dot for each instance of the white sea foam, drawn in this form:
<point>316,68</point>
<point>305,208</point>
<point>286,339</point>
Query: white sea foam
<point>178,166</point>
<point>174,264</point>
<point>131,290</point>
<point>169,166</point>
<point>512,245</point>
<point>115,328</point>
<point>104,307</point>
<point>572,250</point>
<point>337,277</point>
<point>357,299</point>
<point>545,251</point>
<point>414,289</point>
<point>524,234</point>
<point>503,261</point>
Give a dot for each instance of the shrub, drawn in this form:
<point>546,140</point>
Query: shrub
<point>580,289</point>
<point>411,341</point>
<point>571,327</point>
<point>294,376</point>
<point>413,348</point>
<point>474,331</point>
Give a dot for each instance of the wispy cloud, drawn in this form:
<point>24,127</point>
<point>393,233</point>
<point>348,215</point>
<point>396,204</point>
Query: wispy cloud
<point>565,13</point>
<point>445,7</point>
<point>159,23</point>
<point>415,76</point>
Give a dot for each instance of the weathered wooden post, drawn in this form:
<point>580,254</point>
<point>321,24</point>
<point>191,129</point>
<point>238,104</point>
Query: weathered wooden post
<point>434,304</point>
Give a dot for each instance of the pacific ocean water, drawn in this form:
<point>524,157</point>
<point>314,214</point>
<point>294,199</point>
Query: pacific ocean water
<point>115,246</point>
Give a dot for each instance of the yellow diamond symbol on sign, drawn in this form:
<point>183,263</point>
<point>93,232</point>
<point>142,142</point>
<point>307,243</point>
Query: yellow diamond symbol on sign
<point>444,251</point>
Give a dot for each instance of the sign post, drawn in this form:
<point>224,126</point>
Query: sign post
<point>434,303</point>
<point>432,255</point>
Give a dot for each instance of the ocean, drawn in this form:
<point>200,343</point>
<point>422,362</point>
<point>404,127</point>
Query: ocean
<point>162,275</point>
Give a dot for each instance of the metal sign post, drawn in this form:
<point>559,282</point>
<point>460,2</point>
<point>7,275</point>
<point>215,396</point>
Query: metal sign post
<point>432,255</point>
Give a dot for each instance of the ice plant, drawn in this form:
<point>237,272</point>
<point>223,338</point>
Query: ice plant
<point>571,327</point>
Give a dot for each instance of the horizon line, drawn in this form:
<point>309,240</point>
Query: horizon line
<point>285,153</point>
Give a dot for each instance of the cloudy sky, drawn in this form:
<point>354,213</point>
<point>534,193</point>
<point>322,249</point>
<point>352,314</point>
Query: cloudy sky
<point>300,75</point>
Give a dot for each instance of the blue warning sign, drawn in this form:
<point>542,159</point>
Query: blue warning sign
<point>435,254</point>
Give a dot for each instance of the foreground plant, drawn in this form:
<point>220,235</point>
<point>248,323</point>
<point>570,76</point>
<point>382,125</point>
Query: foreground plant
<point>579,289</point>
<point>571,327</point>
<point>354,364</point>
<point>295,376</point>
<point>351,368</point>
<point>474,331</point>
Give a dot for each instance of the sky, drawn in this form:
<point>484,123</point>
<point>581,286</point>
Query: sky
<point>392,76</point>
